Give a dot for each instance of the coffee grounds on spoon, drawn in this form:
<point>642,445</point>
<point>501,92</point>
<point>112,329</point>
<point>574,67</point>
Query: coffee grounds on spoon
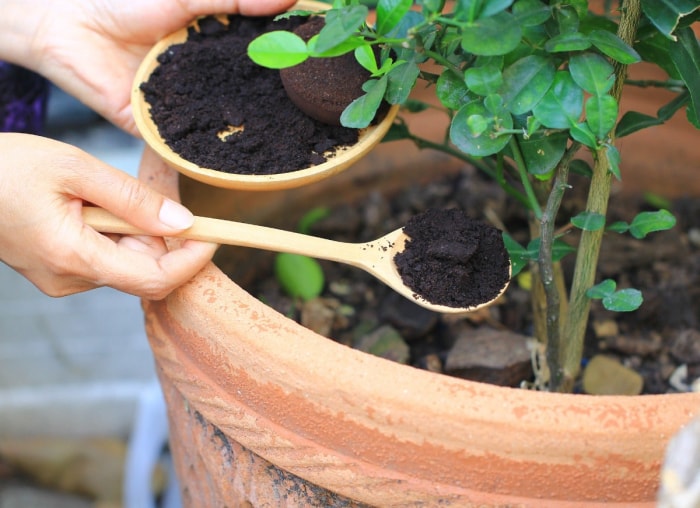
<point>453,260</point>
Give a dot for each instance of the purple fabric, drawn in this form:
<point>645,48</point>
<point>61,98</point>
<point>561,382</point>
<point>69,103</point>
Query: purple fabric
<point>23,97</point>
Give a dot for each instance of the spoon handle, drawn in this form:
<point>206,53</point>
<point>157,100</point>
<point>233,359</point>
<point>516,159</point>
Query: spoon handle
<point>238,233</point>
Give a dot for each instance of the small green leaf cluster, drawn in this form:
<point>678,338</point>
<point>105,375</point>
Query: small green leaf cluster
<point>623,300</point>
<point>642,224</point>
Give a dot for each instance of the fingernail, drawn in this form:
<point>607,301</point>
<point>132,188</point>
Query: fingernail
<point>175,216</point>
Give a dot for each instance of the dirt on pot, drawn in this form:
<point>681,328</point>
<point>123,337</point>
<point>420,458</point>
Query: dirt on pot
<point>659,345</point>
<point>216,108</point>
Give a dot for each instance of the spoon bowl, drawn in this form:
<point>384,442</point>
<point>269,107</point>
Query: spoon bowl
<point>341,159</point>
<point>375,257</point>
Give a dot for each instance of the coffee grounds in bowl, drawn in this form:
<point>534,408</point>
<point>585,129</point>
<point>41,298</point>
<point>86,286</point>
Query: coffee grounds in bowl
<point>206,88</point>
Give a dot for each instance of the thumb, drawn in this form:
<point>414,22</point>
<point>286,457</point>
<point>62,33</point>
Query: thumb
<point>132,200</point>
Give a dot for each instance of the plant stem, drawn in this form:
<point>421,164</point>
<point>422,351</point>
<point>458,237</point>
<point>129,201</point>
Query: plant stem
<point>552,279</point>
<point>522,171</point>
<point>570,349</point>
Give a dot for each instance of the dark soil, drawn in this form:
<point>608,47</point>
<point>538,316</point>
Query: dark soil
<point>655,340</point>
<point>453,260</point>
<point>207,87</point>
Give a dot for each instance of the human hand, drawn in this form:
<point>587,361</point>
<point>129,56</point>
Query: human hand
<point>92,49</point>
<point>43,186</point>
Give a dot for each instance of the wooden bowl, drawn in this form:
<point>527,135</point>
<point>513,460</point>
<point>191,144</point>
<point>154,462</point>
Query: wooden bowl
<point>343,157</point>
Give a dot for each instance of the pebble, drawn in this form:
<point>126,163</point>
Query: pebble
<point>604,375</point>
<point>685,346</point>
<point>490,356</point>
<point>411,320</point>
<point>385,342</point>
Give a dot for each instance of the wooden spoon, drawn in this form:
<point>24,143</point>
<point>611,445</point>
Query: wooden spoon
<point>375,257</point>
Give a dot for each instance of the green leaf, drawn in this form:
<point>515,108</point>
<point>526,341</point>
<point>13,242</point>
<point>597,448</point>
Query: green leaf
<point>560,249</point>
<point>451,90</point>
<point>634,121</point>
<point>312,217</point>
<point>589,221</point>
<point>341,24</point>
<point>360,112</point>
<point>477,125</point>
<point>649,222</point>
<point>486,143</point>
<point>484,80</point>
<point>525,82</point>
<point>665,14</point>
<point>531,13</point>
<point>601,114</point>
<point>390,13</point>
<point>401,80</point>
<point>278,50</point>
<point>562,105</point>
<point>613,155</point>
<point>300,276</point>
<point>366,58</point>
<point>575,41</point>
<point>497,35</point>
<point>625,300</point>
<point>602,289</point>
<point>619,227</point>
<point>542,152</point>
<point>592,72</point>
<point>614,47</point>
<point>582,133</point>
<point>471,10</point>
<point>519,256</point>
<point>685,54</point>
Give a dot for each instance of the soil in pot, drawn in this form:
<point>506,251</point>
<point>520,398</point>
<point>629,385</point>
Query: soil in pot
<point>492,344</point>
<point>216,108</point>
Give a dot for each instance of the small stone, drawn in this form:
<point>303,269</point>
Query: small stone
<point>411,320</point>
<point>490,356</point>
<point>385,342</point>
<point>685,346</point>
<point>694,236</point>
<point>636,345</point>
<point>605,328</point>
<point>320,314</point>
<point>431,363</point>
<point>606,376</point>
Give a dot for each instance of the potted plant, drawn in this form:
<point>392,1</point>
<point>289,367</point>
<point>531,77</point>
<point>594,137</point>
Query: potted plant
<point>284,411</point>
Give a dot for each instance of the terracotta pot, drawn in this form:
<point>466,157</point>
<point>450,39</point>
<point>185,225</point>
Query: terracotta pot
<point>268,413</point>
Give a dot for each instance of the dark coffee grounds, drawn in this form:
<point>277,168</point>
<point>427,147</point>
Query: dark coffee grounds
<point>453,260</point>
<point>207,86</point>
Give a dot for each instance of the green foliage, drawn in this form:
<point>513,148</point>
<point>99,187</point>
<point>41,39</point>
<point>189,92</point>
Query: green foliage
<point>624,300</point>
<point>645,223</point>
<point>526,84</point>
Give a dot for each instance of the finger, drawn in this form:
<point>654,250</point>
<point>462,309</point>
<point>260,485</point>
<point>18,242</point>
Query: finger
<point>245,7</point>
<point>131,199</point>
<point>142,265</point>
